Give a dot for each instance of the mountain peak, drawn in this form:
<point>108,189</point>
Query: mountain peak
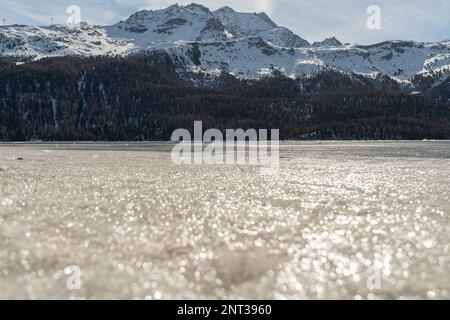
<point>195,22</point>
<point>243,24</point>
<point>195,6</point>
<point>328,42</point>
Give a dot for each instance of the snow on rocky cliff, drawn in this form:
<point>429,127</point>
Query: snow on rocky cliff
<point>58,40</point>
<point>328,42</point>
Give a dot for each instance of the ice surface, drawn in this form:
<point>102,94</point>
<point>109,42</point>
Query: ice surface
<point>138,226</point>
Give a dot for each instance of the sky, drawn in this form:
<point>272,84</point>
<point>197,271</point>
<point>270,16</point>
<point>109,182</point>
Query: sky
<point>313,20</point>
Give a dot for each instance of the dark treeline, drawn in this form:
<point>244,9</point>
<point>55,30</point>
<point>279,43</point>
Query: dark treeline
<point>143,98</point>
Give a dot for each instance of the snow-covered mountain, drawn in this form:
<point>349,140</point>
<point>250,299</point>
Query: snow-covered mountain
<point>247,45</point>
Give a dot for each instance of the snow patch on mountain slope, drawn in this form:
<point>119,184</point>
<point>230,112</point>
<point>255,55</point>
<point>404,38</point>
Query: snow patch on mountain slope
<point>283,37</point>
<point>250,57</point>
<point>246,57</point>
<point>400,60</point>
<point>56,40</point>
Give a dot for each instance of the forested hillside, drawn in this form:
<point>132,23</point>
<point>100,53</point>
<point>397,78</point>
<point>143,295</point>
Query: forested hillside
<point>142,97</point>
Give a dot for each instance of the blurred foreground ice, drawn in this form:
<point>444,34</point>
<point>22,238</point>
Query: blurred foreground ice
<point>337,217</point>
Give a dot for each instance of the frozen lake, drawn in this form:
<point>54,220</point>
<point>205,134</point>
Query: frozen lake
<point>340,220</point>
